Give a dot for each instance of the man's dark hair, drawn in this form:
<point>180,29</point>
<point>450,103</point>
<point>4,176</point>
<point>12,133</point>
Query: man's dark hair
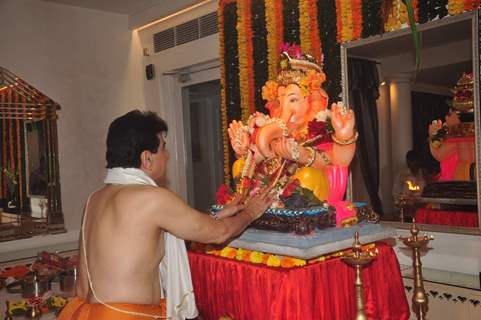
<point>130,135</point>
<point>414,161</point>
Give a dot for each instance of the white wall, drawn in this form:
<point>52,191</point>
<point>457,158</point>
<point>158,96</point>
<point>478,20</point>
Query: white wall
<point>90,63</point>
<point>163,93</point>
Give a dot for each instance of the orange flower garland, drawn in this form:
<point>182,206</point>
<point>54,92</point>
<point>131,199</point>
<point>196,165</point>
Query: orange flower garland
<point>316,49</point>
<point>393,21</point>
<point>4,149</point>
<point>347,22</point>
<point>305,26</point>
<point>223,105</point>
<point>273,10</point>
<point>273,260</point>
<point>339,21</point>
<point>250,55</point>
<point>471,5</point>
<point>356,12</point>
<point>243,61</point>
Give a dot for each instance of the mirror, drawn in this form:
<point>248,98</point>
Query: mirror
<point>29,176</point>
<point>432,177</point>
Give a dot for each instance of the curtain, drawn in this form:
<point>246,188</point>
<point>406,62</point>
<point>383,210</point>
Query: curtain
<point>426,107</point>
<point>363,93</point>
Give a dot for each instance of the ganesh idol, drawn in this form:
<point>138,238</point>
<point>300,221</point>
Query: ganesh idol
<point>301,146</point>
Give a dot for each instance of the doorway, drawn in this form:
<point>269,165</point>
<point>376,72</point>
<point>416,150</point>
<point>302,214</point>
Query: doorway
<point>203,141</point>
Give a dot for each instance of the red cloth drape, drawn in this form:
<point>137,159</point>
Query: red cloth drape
<point>322,290</point>
<point>449,218</point>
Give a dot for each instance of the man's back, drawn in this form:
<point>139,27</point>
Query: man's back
<point>123,247</point>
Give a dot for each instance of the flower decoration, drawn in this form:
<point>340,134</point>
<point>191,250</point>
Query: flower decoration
<point>293,50</point>
<point>289,189</point>
<point>320,131</point>
<point>269,91</point>
<point>312,82</point>
<point>224,195</point>
<point>273,261</point>
<point>228,252</point>
<point>256,257</point>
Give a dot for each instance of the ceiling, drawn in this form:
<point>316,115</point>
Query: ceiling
<point>128,7</point>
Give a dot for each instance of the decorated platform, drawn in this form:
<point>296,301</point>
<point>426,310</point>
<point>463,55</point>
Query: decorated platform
<point>316,244</point>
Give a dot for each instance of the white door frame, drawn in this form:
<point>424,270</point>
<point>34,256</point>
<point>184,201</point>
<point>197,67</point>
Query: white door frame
<point>171,91</point>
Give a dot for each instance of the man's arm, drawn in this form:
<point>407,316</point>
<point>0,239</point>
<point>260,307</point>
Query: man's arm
<point>172,214</point>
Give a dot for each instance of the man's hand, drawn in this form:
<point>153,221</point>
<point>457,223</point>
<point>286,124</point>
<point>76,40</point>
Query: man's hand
<point>232,207</point>
<point>257,205</point>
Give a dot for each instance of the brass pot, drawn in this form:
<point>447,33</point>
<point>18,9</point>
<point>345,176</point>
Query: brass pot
<point>32,286</point>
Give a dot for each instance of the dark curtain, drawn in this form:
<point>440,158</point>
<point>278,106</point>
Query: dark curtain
<point>426,107</point>
<point>363,93</point>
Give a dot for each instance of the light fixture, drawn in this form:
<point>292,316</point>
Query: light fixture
<point>383,83</point>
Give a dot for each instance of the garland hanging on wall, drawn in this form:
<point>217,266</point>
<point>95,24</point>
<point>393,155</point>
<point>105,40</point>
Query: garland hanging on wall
<point>252,32</point>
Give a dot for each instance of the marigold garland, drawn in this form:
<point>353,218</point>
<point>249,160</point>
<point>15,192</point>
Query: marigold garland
<point>393,21</point>
<point>275,31</point>
<point>455,7</point>
<point>4,148</point>
<point>305,26</point>
<point>316,49</point>
<point>250,55</point>
<point>471,5</point>
<point>272,260</point>
<point>345,29</point>
<point>339,20</point>
<point>356,12</point>
<point>223,105</point>
<point>243,60</point>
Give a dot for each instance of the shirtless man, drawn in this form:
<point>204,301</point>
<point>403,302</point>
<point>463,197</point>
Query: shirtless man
<point>124,224</point>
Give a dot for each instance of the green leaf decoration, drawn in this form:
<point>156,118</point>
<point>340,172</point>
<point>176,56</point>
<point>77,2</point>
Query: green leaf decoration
<point>416,35</point>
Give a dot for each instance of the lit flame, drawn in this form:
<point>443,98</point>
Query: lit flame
<point>412,186</point>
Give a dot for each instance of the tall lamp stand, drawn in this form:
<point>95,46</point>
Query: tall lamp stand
<point>358,259</point>
<point>416,242</point>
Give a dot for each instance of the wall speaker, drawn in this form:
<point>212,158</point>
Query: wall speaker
<point>149,72</point>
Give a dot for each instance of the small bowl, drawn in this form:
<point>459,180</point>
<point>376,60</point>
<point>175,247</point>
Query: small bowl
<point>68,279</point>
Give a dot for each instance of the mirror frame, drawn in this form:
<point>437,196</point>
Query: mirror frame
<point>474,16</point>
<point>39,107</point>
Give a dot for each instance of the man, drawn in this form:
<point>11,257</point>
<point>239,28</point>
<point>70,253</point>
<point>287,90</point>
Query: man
<point>130,224</point>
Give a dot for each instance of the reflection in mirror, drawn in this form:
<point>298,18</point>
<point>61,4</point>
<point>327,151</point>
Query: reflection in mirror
<point>29,176</point>
<point>424,121</point>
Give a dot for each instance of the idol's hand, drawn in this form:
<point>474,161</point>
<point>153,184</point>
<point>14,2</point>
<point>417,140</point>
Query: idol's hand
<point>239,137</point>
<point>342,123</point>
<point>286,148</point>
<point>434,127</point>
<point>258,119</point>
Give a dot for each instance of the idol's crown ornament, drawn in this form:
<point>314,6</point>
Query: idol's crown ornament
<point>297,68</point>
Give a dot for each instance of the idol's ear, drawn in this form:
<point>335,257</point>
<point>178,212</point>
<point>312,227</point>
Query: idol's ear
<point>146,160</point>
<point>319,100</point>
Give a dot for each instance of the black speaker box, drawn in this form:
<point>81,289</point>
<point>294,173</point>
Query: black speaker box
<point>149,72</point>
